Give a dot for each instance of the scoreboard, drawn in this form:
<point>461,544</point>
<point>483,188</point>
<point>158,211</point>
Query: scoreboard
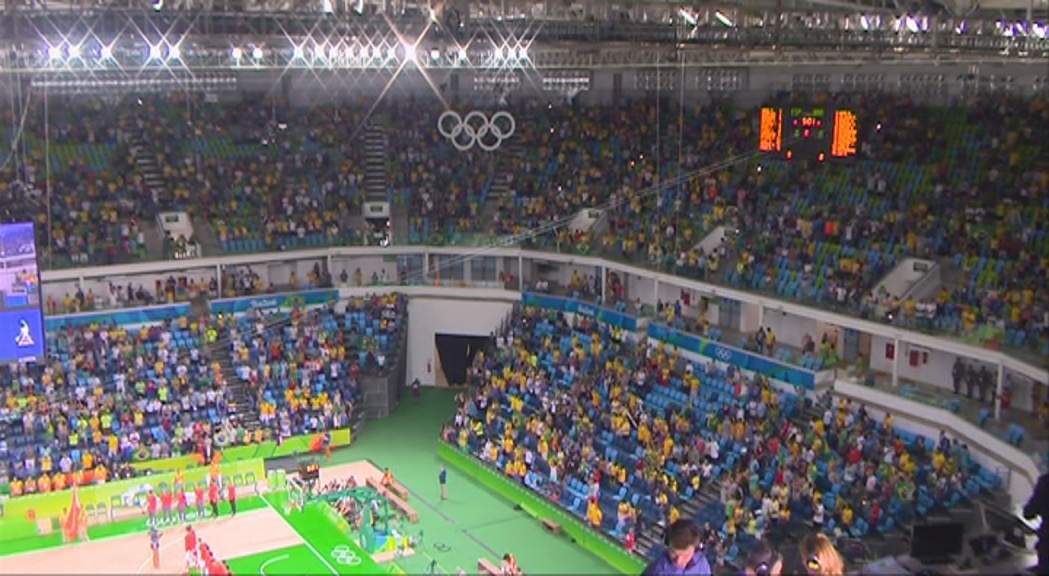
<point>808,132</point>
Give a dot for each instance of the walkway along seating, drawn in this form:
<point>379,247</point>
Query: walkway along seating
<point>397,502</point>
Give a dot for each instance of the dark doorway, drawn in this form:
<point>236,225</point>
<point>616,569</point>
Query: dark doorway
<point>455,354</point>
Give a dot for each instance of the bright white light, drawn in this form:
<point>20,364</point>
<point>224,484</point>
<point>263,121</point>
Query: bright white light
<point>410,54</point>
<point>435,54</point>
<point>237,54</point>
<point>154,52</point>
<point>522,53</point>
<point>1040,30</point>
<point>723,19</point>
<point>333,53</point>
<point>687,16</point>
<point>376,53</point>
<point>326,7</point>
<point>106,53</point>
<point>72,52</point>
<point>174,52</point>
<point>256,53</point>
<point>54,53</point>
<point>391,53</point>
<point>865,22</point>
<point>912,25</point>
<point>298,53</point>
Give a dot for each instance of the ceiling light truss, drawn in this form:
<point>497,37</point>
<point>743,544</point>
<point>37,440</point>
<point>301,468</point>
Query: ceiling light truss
<point>724,27</point>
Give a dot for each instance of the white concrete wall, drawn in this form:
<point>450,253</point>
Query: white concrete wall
<point>472,315</point>
<point>904,276</point>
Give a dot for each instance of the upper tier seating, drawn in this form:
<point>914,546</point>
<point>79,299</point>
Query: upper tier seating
<point>968,186</point>
<point>631,442</point>
<point>94,199</point>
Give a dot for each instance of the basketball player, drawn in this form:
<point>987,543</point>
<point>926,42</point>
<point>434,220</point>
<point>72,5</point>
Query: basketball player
<point>154,545</point>
<point>192,558</point>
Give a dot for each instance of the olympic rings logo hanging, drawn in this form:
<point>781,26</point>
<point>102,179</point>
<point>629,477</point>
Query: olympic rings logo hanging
<point>476,129</point>
<point>345,556</point>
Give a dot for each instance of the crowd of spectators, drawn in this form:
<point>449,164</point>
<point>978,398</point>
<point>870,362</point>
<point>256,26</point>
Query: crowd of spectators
<point>267,175</point>
<point>625,434</point>
<point>109,395</point>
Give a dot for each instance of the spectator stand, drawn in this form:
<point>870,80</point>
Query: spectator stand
<point>623,464</point>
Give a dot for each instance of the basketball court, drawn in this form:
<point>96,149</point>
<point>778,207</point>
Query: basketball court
<point>270,537</point>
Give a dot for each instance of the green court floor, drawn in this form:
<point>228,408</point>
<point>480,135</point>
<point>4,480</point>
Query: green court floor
<point>473,522</point>
<point>293,561</point>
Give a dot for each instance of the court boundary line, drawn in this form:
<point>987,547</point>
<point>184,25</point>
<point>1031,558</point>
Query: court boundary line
<point>273,560</point>
<point>305,541</point>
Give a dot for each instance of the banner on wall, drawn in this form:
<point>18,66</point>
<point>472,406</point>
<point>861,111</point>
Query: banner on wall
<point>274,302</point>
<point>568,305</point>
<point>731,355</point>
<point>157,314</point>
<point>124,317</point>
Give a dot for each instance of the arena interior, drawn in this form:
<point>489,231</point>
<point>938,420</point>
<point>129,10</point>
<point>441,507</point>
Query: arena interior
<point>330,287</point>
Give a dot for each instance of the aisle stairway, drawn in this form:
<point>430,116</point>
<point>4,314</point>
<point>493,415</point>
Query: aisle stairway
<point>375,151</point>
<point>147,164</point>
<point>238,395</point>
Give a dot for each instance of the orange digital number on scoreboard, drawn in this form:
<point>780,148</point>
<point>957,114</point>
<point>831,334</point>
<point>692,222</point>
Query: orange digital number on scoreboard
<point>843,144</point>
<point>771,135</point>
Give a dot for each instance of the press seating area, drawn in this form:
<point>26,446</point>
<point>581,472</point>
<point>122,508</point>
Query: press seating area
<point>718,395</point>
<point>81,394</point>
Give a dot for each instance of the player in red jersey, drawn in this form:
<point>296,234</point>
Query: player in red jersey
<point>166,502</point>
<point>151,508</point>
<point>191,549</point>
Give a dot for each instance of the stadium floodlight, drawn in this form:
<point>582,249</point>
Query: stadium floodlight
<point>174,52</point>
<point>54,52</point>
<point>154,52</point>
<point>410,54</point>
<point>723,19</point>
<point>298,53</point>
<point>106,53</point>
<point>256,53</point>
<point>435,54</point>
<point>236,54</point>
<point>865,22</point>
<point>72,52</point>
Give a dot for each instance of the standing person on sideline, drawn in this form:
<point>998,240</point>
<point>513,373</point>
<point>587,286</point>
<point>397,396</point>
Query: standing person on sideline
<point>763,561</point>
<point>165,507</point>
<point>232,496</point>
<point>213,498</point>
<point>442,478</point>
<point>820,557</point>
<point>1038,506</point>
<point>182,504</point>
<point>154,545</point>
<point>680,558</point>
<point>416,390</point>
<point>151,507</point>
<point>198,495</point>
<point>191,550</point>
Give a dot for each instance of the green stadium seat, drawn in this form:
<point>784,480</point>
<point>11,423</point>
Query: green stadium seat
<point>249,479</point>
<point>238,479</point>
<point>102,512</point>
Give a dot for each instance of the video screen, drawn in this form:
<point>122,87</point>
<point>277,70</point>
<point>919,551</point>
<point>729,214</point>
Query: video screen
<point>21,313</point>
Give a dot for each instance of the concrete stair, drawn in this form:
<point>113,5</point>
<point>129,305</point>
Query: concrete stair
<point>501,193</point>
<point>375,154</point>
<point>209,245</point>
<point>238,395</point>
<point>147,164</point>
